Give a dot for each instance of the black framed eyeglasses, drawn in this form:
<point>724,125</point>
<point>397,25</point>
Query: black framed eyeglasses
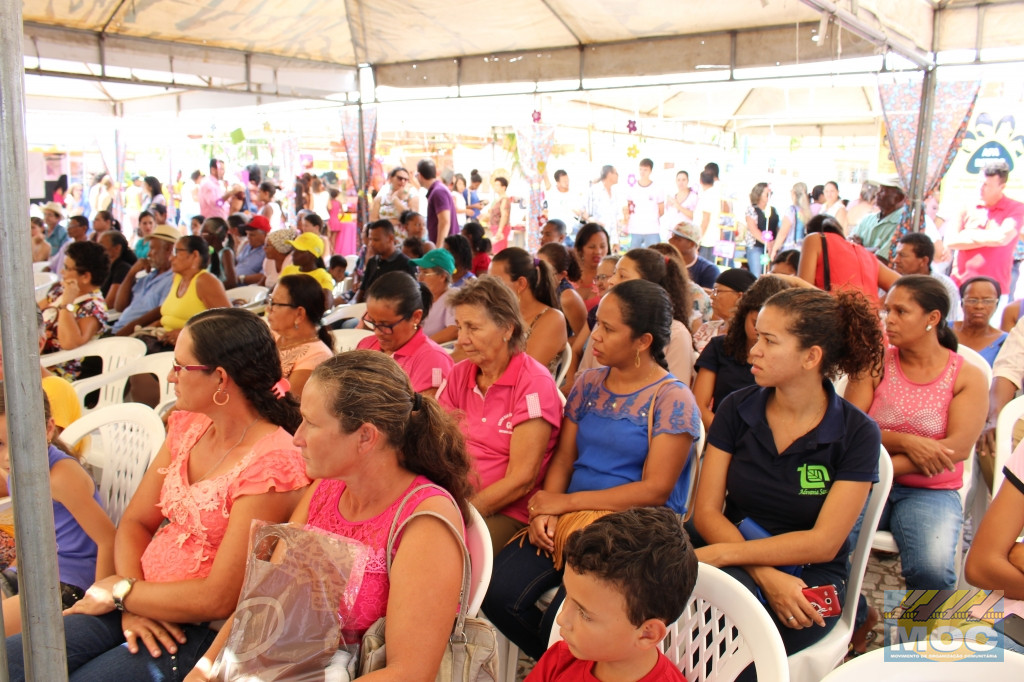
<point>387,328</point>
<point>271,304</point>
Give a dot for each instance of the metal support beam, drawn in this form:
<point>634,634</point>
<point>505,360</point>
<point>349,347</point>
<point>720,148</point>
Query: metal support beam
<point>39,581</point>
<point>854,24</point>
<point>918,177</point>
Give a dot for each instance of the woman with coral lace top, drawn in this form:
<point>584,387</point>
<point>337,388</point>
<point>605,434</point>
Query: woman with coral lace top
<point>181,546</point>
<point>371,441</point>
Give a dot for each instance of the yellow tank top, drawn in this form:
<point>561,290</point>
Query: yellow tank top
<point>174,311</point>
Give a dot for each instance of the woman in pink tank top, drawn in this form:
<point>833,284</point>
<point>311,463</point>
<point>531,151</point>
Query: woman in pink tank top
<point>931,406</point>
<point>370,440</point>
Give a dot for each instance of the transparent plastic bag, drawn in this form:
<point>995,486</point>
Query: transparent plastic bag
<point>287,625</point>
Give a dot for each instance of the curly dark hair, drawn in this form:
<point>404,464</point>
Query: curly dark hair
<point>646,309</point>
<point>735,342</point>
<point>645,553</point>
<point>368,387</point>
<point>91,258</point>
<point>666,269</point>
<point>240,342</point>
<point>842,324</point>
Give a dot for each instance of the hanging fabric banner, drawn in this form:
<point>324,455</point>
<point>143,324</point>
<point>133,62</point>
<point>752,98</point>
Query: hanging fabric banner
<point>350,132</point>
<point>534,143</point>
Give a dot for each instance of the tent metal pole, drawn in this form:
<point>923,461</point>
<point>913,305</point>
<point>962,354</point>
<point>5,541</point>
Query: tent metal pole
<point>363,199</point>
<point>919,174</point>
<point>39,582</point>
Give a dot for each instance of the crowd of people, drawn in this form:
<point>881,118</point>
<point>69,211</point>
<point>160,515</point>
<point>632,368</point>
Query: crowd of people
<point>700,358</point>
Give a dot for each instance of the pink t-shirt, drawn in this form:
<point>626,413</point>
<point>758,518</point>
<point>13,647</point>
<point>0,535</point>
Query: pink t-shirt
<point>304,357</point>
<point>198,513</point>
<point>918,409</point>
<point>425,362</point>
<point>525,391</point>
<point>559,664</point>
<point>990,261</point>
<point>372,602</point>
<point>211,198</point>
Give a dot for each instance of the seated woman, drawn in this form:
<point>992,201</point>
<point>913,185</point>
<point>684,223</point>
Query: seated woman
<point>792,457</point>
<point>122,258</point>
<point>566,267</point>
<point>702,309</point>
<point>996,559</point>
<point>979,297</point>
<point>370,441</point>
<point>830,262</point>
<point>786,263</point>
<point>592,245</point>
<point>462,252</point>
<point>724,364</point>
<point>481,245</point>
<point>395,307</point>
<point>74,311</point>
<point>931,406</point>
<point>729,288</point>
<point>180,549</point>
<point>532,281</point>
<point>671,276</point>
<point>435,271</point>
<point>626,442</point>
<point>85,535</point>
<point>308,259</point>
<point>294,310</point>
<point>507,401</point>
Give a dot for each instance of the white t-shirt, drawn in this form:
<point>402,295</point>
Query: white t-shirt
<point>643,208</point>
<point>710,202</point>
<point>606,209</point>
<point>460,207</point>
<point>563,206</point>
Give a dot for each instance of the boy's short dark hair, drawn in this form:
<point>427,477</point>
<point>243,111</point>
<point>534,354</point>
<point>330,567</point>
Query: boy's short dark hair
<point>382,224</point>
<point>646,553</point>
<point>338,261</point>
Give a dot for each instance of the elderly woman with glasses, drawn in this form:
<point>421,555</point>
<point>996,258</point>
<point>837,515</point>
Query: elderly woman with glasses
<point>507,403</point>
<point>979,297</point>
<point>396,306</point>
<point>725,296</point>
<point>436,268</point>
<point>293,313</point>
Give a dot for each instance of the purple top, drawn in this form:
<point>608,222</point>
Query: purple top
<point>440,199</point>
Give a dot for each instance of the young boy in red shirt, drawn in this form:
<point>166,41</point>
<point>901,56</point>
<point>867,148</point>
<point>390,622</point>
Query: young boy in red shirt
<point>627,576</point>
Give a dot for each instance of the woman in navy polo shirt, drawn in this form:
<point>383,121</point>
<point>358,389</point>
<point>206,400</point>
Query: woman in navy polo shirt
<point>793,457</point>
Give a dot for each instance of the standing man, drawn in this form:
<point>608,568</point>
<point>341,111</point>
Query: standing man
<point>686,238</point>
<point>605,204</point>
<point>876,230</point>
<point>564,204</point>
<point>644,207</point>
<point>54,233</point>
<point>441,218</point>
<point>914,256</point>
<point>706,215</point>
<point>988,234</point>
<point>214,193</point>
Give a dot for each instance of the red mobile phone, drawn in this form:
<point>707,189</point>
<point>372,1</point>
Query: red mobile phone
<point>824,599</point>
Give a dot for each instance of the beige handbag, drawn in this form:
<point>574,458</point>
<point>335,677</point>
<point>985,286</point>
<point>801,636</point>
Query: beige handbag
<point>471,655</point>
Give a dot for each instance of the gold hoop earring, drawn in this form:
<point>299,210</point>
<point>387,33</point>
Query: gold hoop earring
<point>226,397</point>
<point>636,360</point>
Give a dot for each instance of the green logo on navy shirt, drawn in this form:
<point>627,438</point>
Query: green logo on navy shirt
<point>813,479</point>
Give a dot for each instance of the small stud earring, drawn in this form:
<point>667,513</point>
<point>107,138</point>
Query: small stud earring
<point>928,328</point>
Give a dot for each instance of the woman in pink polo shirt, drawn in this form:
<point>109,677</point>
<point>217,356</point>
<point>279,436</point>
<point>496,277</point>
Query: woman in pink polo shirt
<point>395,307</point>
<point>508,404</point>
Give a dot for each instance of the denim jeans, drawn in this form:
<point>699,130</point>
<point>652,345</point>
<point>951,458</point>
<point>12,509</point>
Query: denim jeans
<point>97,652</point>
<point>521,575</point>
<point>639,241</point>
<point>754,254</point>
<point>926,525</point>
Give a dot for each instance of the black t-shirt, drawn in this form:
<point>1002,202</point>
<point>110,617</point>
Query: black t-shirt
<point>729,374</point>
<point>118,271</point>
<point>377,266</point>
<point>785,492</point>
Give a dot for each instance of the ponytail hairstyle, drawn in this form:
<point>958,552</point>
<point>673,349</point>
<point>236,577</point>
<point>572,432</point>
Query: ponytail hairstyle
<point>929,293</point>
<point>563,260</point>
<point>646,309</point>
<point>307,294</point>
<point>401,290</point>
<point>474,232</point>
<point>538,275</point>
<point>368,387</point>
<point>240,342</point>
<point>669,273</point>
<point>843,324</point>
<point>751,301</point>
<point>47,416</point>
<point>823,222</point>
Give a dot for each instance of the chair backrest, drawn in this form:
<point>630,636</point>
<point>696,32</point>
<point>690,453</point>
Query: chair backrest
<point>840,383</point>
<point>111,384</point>
<point>131,435</point>
<point>343,312</point>
<point>698,449</point>
<point>481,553</point>
<point>1008,417</point>
<point>974,357</point>
<point>247,295</point>
<point>347,339</point>
<point>563,364</point>
<point>115,352</point>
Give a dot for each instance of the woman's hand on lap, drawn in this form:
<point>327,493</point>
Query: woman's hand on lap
<point>785,597</point>
<point>542,532</point>
<point>544,502</point>
<point>98,599</point>
<point>929,455</point>
<point>153,633</point>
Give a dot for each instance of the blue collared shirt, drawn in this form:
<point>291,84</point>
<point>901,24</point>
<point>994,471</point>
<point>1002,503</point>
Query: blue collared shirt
<point>250,260</point>
<point>147,293</point>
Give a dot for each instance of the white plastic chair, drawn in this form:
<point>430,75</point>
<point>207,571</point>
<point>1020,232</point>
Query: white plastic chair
<point>115,352</point>
<point>972,356</point>
<point>249,294</point>
<point>1011,413</point>
<point>814,662</point>
<point>348,339</point>
<point>563,365</point>
<point>343,312</point>
<point>481,552</point>
<point>43,282</point>
<point>723,629</point>
<point>131,435</point>
<point>840,383</point>
<point>873,666</point>
<point>111,385</point>
<point>40,266</point>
